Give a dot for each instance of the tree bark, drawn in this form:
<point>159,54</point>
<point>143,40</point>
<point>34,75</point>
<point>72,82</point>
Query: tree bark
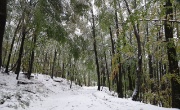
<point>112,41</point>
<point>63,70</point>
<point>150,64</point>
<point>11,48</point>
<point>130,79</point>
<point>139,68</point>
<point>119,76</point>
<point>107,71</point>
<point>45,64</point>
<point>3,14</point>
<point>172,56</point>
<point>72,75</point>
<point>32,57</point>
<point>54,62</point>
<point>5,53</point>
<point>95,50</point>
<point>20,52</point>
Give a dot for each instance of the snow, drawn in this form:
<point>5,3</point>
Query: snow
<point>44,93</point>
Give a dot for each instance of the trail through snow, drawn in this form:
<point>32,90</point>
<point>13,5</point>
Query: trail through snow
<point>88,99</point>
<point>56,94</point>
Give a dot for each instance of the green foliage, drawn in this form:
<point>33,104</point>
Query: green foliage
<point>98,3</point>
<point>75,51</point>
<point>39,20</point>
<point>57,33</point>
<point>79,7</point>
<point>106,19</point>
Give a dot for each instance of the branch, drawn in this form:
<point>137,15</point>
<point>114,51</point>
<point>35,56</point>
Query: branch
<point>177,21</point>
<point>127,6</point>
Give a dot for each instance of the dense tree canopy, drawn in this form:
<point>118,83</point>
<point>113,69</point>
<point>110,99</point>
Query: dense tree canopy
<point>131,46</point>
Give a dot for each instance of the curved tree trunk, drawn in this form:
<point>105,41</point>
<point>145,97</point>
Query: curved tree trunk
<point>3,13</point>
<point>139,68</point>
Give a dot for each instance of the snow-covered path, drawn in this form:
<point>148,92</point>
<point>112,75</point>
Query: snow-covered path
<point>88,98</point>
<point>47,94</point>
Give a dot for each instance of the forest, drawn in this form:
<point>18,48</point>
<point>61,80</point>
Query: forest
<point>130,46</point>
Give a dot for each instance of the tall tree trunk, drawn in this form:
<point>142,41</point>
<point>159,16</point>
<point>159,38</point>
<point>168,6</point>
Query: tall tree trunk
<point>150,60</point>
<point>3,13</point>
<point>11,48</point>
<point>54,62</point>
<point>20,52</point>
<point>72,75</point>
<point>139,68</point>
<point>119,76</point>
<point>173,63</point>
<point>63,70</point>
<point>5,53</point>
<point>112,49</point>
<point>45,64</point>
<point>107,71</point>
<point>112,41</point>
<point>95,50</point>
<point>32,57</point>
<point>150,70</point>
<point>130,79</point>
<point>125,87</point>
<point>177,27</point>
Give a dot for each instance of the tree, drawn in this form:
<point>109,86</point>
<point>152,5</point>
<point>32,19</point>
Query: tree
<point>95,50</point>
<point>26,16</point>
<point>20,52</point>
<point>3,13</point>
<point>172,55</point>
<point>139,68</point>
<point>12,43</point>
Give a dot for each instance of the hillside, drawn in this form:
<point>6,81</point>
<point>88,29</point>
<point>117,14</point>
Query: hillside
<point>43,93</point>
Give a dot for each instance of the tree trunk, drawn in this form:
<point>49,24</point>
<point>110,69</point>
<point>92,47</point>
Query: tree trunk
<point>45,64</point>
<point>54,62</point>
<point>173,63</point>
<point>149,59</point>
<point>11,48</point>
<point>20,52</point>
<point>5,53</point>
<point>150,70</point>
<point>3,13</point>
<point>125,88</point>
<point>119,76</point>
<point>139,68</point>
<point>72,76</point>
<point>112,41</point>
<point>107,71</point>
<point>63,71</point>
<point>130,79</point>
<point>95,51</point>
<point>177,27</point>
<point>112,45</point>
<point>120,91</point>
<point>32,57</point>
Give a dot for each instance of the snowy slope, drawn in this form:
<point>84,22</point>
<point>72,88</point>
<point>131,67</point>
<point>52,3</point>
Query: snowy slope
<point>47,94</point>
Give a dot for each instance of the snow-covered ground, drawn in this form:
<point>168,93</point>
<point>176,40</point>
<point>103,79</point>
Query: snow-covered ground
<point>43,93</point>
